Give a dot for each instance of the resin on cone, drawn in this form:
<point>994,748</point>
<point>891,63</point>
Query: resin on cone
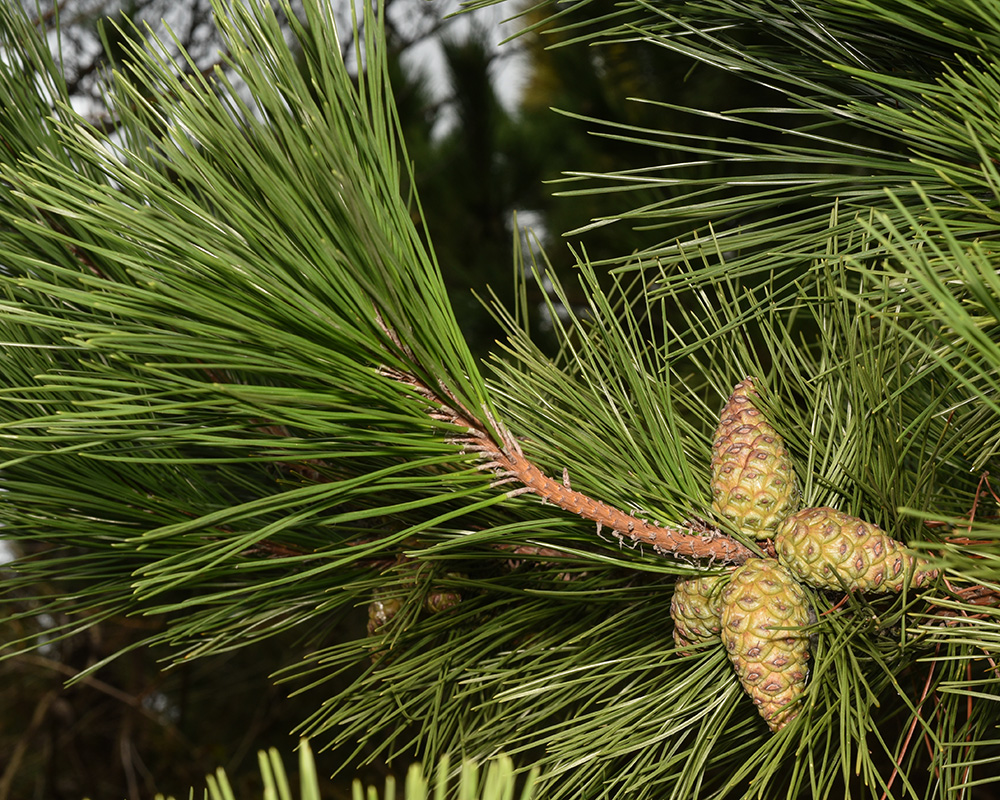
<point>764,611</point>
<point>829,549</point>
<point>696,608</point>
<point>753,482</point>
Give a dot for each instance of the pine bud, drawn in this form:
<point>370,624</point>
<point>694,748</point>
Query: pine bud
<point>380,610</point>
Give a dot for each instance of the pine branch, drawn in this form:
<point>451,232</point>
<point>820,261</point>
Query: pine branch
<point>230,289</point>
<point>503,456</point>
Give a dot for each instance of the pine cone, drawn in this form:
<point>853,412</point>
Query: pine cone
<point>763,611</point>
<point>832,550</point>
<point>381,609</point>
<point>753,482</point>
<point>439,600</point>
<point>695,609</point>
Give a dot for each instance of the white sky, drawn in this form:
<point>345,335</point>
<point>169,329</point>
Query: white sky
<point>510,67</point>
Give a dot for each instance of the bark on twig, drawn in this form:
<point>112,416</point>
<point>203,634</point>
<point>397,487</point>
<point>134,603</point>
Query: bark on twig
<point>507,461</point>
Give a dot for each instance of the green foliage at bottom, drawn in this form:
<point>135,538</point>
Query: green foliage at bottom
<point>495,780</point>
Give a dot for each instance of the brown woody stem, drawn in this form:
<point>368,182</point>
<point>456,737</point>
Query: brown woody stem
<point>507,461</point>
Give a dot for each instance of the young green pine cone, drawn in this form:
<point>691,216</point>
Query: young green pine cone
<point>763,613</point>
<point>753,482</point>
<point>832,550</point>
<point>695,609</point>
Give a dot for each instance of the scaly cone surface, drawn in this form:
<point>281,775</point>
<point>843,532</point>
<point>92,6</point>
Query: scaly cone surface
<point>381,610</point>
<point>763,612</point>
<point>829,549</point>
<point>696,609</point>
<point>753,482</point>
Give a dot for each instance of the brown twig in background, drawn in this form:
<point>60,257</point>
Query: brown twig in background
<point>982,596</point>
<point>979,596</point>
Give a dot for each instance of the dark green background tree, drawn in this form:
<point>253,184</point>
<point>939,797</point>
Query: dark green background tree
<point>239,406</point>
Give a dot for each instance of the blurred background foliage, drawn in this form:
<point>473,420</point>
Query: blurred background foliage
<point>135,730</point>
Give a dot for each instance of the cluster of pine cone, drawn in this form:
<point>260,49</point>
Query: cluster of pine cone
<point>759,612</point>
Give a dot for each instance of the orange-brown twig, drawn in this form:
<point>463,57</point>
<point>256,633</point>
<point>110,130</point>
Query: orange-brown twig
<point>510,463</point>
<point>507,461</point>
